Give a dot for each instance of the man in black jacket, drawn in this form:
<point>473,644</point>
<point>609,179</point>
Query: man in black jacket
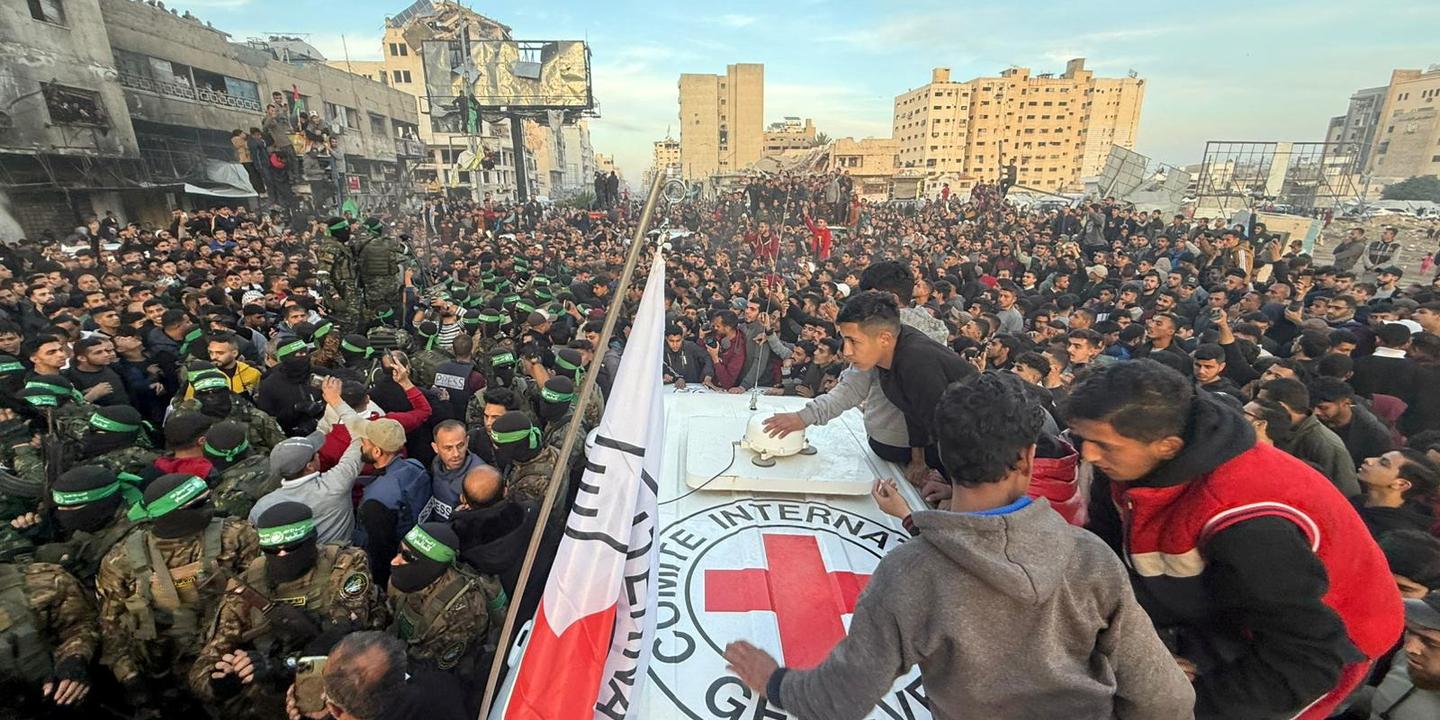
<point>913,369</point>
<point>686,363</point>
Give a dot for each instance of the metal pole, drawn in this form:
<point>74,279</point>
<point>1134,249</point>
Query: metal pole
<point>517,142</point>
<point>567,445</point>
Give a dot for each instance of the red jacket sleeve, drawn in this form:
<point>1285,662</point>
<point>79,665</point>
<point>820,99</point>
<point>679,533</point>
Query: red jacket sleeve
<point>335,444</point>
<point>731,363</point>
<point>418,413</point>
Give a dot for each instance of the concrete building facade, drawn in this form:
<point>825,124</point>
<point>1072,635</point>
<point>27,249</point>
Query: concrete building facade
<point>1357,125</point>
<point>1407,138</point>
<point>155,95</point>
<point>1056,129</point>
<point>721,120</point>
<point>870,162</point>
<point>789,134</point>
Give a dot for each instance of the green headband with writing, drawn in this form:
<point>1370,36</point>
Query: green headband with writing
<point>531,434</point>
<point>549,395</point>
<point>285,534</point>
<point>291,348</point>
<point>510,300</point>
<point>322,331</point>
<point>504,358</point>
<point>385,314</point>
<point>228,455</point>
<point>55,390</point>
<point>540,281</point>
<point>9,367</point>
<point>523,306</point>
<point>491,318</point>
<point>64,498</point>
<point>100,422</point>
<point>340,225</point>
<point>426,544</point>
<point>348,346</point>
<point>43,400</point>
<point>177,498</point>
<point>566,364</point>
<point>544,295</point>
<point>470,320</point>
<point>211,382</point>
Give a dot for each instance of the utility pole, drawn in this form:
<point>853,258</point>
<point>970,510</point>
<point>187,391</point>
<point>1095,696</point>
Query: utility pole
<point>517,141</point>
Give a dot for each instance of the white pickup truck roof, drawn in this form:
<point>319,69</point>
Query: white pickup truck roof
<point>780,567</point>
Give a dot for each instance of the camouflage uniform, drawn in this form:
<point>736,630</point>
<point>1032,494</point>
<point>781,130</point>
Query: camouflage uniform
<point>80,553</point>
<point>47,623</point>
<point>529,481</point>
<point>30,462</point>
<point>338,591</point>
<point>264,432</point>
<point>385,338</point>
<point>336,267</point>
<point>237,487</point>
<point>157,595</point>
<point>423,364</point>
<point>452,623</point>
<point>380,260</point>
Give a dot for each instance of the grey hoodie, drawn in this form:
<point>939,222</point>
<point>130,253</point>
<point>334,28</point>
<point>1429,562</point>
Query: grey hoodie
<point>1008,616</point>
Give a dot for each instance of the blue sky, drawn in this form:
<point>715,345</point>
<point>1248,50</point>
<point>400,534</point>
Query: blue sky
<point>1216,71</point>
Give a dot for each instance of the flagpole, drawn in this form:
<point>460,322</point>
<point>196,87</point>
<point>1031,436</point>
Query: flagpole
<point>572,433</point>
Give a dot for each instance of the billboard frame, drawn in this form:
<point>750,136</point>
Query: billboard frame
<point>493,109</point>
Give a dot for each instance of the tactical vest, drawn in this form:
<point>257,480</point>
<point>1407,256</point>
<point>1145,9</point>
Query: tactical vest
<point>413,624</point>
<point>315,602</point>
<point>81,554</point>
<point>25,654</point>
<point>378,266</point>
<point>242,484</point>
<point>170,603</point>
<point>452,376</point>
<point>385,338</point>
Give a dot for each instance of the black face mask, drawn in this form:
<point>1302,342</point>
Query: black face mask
<point>417,574</point>
<point>98,443</point>
<point>553,411</point>
<point>293,564</point>
<point>215,404</point>
<point>296,369</point>
<point>90,517</point>
<point>505,374</point>
<point>183,522</point>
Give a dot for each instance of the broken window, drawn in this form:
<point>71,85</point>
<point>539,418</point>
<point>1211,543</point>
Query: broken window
<point>72,106</point>
<point>52,11</point>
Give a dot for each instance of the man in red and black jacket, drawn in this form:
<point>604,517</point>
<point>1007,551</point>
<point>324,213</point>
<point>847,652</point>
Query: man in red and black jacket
<point>1253,567</point>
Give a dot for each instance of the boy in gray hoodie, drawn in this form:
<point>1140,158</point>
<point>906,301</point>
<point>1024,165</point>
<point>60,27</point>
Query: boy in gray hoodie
<point>1009,611</point>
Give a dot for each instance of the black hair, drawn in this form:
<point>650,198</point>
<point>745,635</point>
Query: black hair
<point>1329,389</point>
<point>1141,399</point>
<point>504,397</point>
<point>984,425</point>
<point>1210,351</point>
<point>1034,361</point>
<point>1392,335</point>
<point>1335,365</point>
<point>889,276</point>
<point>1289,392</point>
<point>1414,554</point>
<point>872,309</point>
<point>1277,420</point>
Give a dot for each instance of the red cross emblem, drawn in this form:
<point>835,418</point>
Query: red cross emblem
<point>808,601</point>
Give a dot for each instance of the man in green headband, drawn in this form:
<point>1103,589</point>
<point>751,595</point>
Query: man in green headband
<point>160,586</point>
<point>242,472</point>
<point>430,356</point>
<point>526,462</point>
<point>298,597</point>
<point>88,517</point>
<point>214,398</point>
<point>380,260</point>
<point>446,636</point>
<point>340,282</point>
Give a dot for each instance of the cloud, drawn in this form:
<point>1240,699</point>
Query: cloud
<point>737,21</point>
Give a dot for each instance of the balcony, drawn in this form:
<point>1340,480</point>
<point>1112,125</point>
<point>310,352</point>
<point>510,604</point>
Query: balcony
<point>187,92</point>
<point>409,148</point>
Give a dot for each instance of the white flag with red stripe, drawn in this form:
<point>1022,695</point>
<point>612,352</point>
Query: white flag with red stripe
<point>590,646</point>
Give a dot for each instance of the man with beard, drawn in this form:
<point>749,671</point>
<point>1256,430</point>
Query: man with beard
<point>214,397</point>
<point>686,363</point>
<point>1411,690</point>
<point>285,393</point>
<point>527,463</point>
<point>242,473</point>
<point>224,351</point>
<point>453,461</point>
<point>298,596</point>
<point>158,587</point>
<point>92,375</point>
<point>393,500</point>
<point>443,611</point>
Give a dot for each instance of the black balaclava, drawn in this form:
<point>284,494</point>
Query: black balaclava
<point>502,365</point>
<point>338,228</point>
<point>177,505</point>
<point>355,350</point>
<point>556,398</point>
<point>294,357</point>
<point>428,331</point>
<point>569,363</point>
<point>212,391</point>
<point>287,526</point>
<point>86,498</point>
<point>515,438</point>
<point>429,550</point>
<point>226,443</point>
<point>111,428</point>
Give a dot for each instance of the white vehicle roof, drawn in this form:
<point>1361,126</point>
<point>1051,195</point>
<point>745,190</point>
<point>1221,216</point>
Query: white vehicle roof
<point>779,563</point>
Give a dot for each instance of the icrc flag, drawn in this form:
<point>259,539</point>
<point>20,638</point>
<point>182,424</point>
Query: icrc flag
<point>590,646</point>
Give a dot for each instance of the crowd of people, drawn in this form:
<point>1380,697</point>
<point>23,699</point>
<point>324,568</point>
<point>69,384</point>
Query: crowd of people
<point>235,444</point>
